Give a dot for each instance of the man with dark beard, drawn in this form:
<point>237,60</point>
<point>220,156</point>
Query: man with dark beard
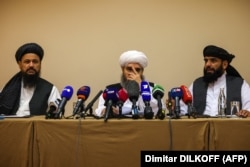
<point>26,93</point>
<point>132,64</point>
<point>218,73</point>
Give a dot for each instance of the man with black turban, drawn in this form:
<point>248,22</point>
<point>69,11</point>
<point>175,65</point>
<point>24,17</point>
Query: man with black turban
<point>218,73</point>
<point>132,64</point>
<point>26,93</point>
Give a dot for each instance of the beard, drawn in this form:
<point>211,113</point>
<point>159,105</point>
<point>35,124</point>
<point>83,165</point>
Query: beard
<point>30,81</point>
<point>212,77</point>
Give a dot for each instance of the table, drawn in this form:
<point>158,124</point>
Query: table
<point>37,141</point>
<point>91,142</point>
<point>229,134</point>
<point>16,141</point>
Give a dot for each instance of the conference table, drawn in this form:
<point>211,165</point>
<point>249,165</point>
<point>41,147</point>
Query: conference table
<point>90,142</point>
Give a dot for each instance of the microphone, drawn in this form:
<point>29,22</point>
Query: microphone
<point>187,99</point>
<point>52,109</point>
<point>111,97</point>
<point>158,93</point>
<point>82,95</point>
<point>91,103</point>
<point>133,95</point>
<point>146,96</point>
<point>176,94</point>
<point>123,96</point>
<point>169,104</point>
<point>66,94</point>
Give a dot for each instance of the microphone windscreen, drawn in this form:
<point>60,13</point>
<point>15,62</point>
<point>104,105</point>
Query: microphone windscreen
<point>145,91</point>
<point>112,94</point>
<point>133,90</point>
<point>176,92</point>
<point>158,91</point>
<point>123,95</point>
<point>104,94</point>
<point>83,92</point>
<point>67,92</point>
<point>187,96</point>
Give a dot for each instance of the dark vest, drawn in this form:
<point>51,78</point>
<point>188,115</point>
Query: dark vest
<point>118,86</point>
<point>39,101</point>
<point>200,93</point>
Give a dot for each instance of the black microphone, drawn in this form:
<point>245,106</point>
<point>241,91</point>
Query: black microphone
<point>158,93</point>
<point>133,90</point>
<point>176,94</point>
<point>53,106</point>
<point>82,95</point>
<point>146,97</point>
<point>91,103</point>
<point>66,95</point>
<point>169,104</point>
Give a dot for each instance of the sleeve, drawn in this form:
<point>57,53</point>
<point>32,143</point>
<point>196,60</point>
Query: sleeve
<point>54,95</point>
<point>245,96</point>
<point>100,106</point>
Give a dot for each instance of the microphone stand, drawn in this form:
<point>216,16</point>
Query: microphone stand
<point>135,114</point>
<point>177,108</point>
<point>90,105</point>
<point>120,104</point>
<point>107,113</point>
<point>148,111</point>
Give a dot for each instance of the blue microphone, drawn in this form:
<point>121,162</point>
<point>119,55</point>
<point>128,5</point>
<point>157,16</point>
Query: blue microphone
<point>82,95</point>
<point>111,97</point>
<point>146,97</point>
<point>176,94</point>
<point>66,95</point>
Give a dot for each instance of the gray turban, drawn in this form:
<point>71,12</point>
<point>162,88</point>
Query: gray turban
<point>29,48</point>
<point>133,56</point>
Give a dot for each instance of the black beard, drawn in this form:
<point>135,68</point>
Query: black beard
<point>30,81</point>
<point>212,77</point>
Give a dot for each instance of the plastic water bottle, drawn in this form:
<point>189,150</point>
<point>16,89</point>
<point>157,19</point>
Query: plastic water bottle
<point>222,103</point>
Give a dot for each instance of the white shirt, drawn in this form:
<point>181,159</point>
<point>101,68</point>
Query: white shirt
<point>26,95</point>
<point>213,91</point>
<point>127,106</point>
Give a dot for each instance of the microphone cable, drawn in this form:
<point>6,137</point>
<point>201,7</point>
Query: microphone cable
<point>170,115</point>
<point>78,144</point>
<point>170,134</point>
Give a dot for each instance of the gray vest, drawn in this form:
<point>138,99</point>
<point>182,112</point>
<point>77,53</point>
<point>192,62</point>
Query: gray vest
<point>200,93</point>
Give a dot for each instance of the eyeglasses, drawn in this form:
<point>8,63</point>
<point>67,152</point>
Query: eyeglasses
<point>130,69</point>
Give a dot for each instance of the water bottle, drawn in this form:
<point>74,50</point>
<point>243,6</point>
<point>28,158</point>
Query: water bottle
<point>222,103</point>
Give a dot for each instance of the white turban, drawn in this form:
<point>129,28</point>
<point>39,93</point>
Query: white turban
<point>133,56</point>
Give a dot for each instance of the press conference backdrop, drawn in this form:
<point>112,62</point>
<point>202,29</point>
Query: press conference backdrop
<point>83,39</point>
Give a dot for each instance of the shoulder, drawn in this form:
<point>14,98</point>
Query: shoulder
<point>234,78</point>
<point>115,85</point>
<point>45,82</point>
<point>198,79</point>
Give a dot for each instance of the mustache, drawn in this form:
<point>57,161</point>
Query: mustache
<point>31,69</point>
<point>208,68</point>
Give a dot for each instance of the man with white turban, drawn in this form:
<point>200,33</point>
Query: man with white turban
<point>132,64</point>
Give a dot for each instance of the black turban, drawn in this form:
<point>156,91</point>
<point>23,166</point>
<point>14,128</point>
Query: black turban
<point>29,48</point>
<point>215,51</point>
